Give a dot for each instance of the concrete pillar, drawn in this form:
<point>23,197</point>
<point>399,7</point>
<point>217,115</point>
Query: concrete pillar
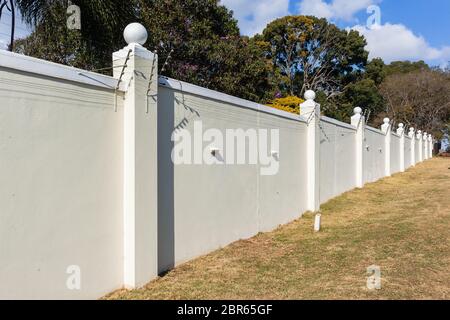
<point>412,135</point>
<point>387,130</point>
<point>140,157</point>
<point>359,122</point>
<point>425,146</point>
<point>420,145</point>
<point>310,110</point>
<point>401,133</point>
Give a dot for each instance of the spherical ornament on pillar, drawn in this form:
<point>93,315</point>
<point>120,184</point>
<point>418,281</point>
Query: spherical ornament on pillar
<point>386,120</point>
<point>135,33</point>
<point>401,125</point>
<point>411,129</point>
<point>310,95</point>
<point>357,110</point>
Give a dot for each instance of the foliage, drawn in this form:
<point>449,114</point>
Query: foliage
<point>52,41</point>
<point>290,104</point>
<point>363,93</point>
<point>101,31</point>
<point>376,70</point>
<point>310,53</point>
<point>199,40</point>
<point>420,98</point>
<point>405,67</point>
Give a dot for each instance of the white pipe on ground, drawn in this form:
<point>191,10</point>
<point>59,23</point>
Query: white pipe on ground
<point>317,222</point>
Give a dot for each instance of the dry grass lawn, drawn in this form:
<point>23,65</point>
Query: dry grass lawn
<point>401,224</point>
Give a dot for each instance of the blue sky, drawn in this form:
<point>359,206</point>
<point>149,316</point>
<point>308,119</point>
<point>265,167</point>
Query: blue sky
<point>408,30</point>
<point>5,28</point>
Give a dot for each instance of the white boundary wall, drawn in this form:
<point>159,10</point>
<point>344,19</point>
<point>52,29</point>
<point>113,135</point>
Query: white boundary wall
<point>87,178</point>
<point>407,152</point>
<point>395,153</point>
<point>205,207</point>
<point>337,149</point>
<point>60,181</point>
<point>374,149</point>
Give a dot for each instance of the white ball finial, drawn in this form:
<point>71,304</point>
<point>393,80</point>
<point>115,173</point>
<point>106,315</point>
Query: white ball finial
<point>401,125</point>
<point>386,120</point>
<point>411,129</point>
<point>310,95</point>
<point>357,110</point>
<point>135,33</point>
<point>419,132</point>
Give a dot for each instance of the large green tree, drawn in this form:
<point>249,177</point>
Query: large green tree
<point>102,23</point>
<point>363,92</point>
<point>376,71</point>
<point>199,41</point>
<point>311,53</point>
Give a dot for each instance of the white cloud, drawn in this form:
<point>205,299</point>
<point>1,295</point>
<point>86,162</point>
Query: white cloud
<point>254,15</point>
<point>388,41</point>
<point>334,10</point>
<point>393,42</point>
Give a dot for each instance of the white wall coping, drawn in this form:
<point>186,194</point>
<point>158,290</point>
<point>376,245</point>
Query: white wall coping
<point>407,137</point>
<point>223,97</point>
<point>396,135</point>
<point>337,122</point>
<point>375,130</point>
<point>24,63</point>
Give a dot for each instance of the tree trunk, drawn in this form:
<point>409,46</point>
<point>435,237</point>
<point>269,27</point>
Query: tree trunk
<point>13,26</point>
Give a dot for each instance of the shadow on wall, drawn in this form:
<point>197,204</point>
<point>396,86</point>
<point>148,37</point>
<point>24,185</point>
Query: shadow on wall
<point>166,174</point>
<point>166,215</point>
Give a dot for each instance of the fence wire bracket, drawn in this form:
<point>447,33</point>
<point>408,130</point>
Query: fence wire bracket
<point>124,66</point>
<point>150,79</point>
<point>311,116</point>
<point>368,116</point>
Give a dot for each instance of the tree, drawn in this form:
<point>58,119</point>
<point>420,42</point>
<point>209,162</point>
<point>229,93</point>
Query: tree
<point>376,71</point>
<point>405,67</point>
<point>52,41</point>
<point>363,93</point>
<point>310,53</point>
<point>102,21</point>
<point>420,98</point>
<point>201,43</point>
<point>197,41</point>
<point>101,31</point>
